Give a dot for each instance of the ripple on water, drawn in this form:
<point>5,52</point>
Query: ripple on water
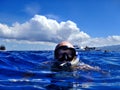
<point>25,70</point>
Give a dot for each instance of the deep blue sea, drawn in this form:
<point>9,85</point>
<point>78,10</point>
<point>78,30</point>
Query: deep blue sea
<point>27,70</point>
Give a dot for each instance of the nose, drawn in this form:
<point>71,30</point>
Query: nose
<point>65,56</point>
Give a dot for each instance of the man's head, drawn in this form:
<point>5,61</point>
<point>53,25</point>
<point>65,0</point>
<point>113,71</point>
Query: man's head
<point>65,56</point>
<point>64,52</point>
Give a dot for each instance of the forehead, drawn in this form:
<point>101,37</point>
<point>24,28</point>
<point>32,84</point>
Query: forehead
<point>65,44</point>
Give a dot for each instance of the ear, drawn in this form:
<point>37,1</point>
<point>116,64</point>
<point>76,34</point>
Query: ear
<point>74,58</point>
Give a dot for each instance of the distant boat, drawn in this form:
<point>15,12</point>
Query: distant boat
<point>89,48</point>
<point>2,48</point>
<point>77,48</point>
<point>85,48</point>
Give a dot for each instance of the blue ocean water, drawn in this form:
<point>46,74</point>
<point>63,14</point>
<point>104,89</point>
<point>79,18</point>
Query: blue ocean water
<point>27,70</point>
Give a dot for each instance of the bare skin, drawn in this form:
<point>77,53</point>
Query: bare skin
<point>65,43</point>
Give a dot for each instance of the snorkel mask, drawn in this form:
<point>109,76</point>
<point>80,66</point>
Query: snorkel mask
<point>64,53</point>
<point>65,56</point>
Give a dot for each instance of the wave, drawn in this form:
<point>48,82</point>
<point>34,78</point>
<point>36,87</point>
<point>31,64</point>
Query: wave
<point>26,70</point>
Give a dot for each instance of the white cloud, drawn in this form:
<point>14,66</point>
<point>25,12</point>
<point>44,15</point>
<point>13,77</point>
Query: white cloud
<point>110,40</point>
<point>42,29</point>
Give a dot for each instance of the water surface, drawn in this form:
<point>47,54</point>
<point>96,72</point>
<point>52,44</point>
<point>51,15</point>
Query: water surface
<point>25,70</point>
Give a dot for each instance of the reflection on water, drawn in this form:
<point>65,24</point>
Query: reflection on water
<point>26,70</point>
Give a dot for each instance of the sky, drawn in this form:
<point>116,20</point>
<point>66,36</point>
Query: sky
<point>41,24</point>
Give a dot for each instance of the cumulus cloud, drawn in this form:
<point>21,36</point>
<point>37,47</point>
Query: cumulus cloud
<point>42,29</point>
<point>110,40</point>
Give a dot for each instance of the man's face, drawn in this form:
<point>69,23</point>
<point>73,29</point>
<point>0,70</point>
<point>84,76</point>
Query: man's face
<point>65,54</point>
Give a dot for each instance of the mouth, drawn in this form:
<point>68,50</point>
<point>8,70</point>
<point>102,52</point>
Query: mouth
<point>65,64</point>
<point>70,63</point>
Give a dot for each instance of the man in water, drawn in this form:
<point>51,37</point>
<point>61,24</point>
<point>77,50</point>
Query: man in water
<point>66,59</point>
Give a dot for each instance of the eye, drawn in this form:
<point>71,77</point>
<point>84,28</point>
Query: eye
<point>60,56</point>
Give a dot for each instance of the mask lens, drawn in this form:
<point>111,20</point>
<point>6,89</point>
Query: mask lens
<point>65,54</point>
